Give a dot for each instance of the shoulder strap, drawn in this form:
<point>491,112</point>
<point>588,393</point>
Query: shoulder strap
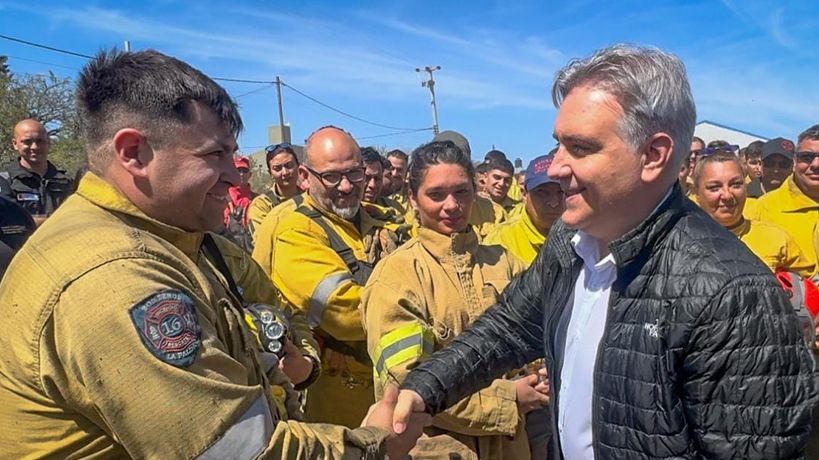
<point>336,242</point>
<point>271,196</point>
<point>215,256</point>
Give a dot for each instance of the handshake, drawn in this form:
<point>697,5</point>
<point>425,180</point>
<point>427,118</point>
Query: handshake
<point>400,413</point>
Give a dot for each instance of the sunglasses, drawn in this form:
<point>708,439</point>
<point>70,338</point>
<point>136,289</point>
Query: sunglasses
<point>332,178</point>
<point>806,157</point>
<point>272,148</point>
<point>777,163</point>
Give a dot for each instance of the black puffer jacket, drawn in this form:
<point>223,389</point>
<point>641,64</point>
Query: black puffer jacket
<point>701,355</point>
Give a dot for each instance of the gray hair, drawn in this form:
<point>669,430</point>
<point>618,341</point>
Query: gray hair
<point>649,84</point>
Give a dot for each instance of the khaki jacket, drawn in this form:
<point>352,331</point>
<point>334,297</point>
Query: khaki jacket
<point>418,299</point>
<point>130,345</point>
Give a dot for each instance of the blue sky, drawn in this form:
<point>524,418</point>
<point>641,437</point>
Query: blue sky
<point>752,65</point>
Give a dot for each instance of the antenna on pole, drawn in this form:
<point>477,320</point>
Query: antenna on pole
<point>127,45</point>
<point>431,85</point>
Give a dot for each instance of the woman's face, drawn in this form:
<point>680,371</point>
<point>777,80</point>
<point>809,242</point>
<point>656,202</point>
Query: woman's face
<point>444,198</point>
<point>721,192</point>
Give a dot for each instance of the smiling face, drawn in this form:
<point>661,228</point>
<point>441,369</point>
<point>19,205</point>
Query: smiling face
<point>805,170</point>
<point>721,191</point>
<point>497,184</point>
<point>333,150</point>
<point>189,177</point>
<point>599,172</point>
<point>444,198</point>
<point>31,143</point>
<point>544,205</point>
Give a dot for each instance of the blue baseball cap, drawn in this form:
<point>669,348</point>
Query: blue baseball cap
<point>536,173</point>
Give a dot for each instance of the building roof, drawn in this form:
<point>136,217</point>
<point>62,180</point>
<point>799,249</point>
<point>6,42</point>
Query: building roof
<point>709,131</point>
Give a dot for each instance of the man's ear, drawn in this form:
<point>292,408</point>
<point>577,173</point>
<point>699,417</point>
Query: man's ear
<point>658,155</point>
<point>132,151</point>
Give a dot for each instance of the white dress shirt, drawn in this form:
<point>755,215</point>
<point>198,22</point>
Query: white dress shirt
<point>589,310</point>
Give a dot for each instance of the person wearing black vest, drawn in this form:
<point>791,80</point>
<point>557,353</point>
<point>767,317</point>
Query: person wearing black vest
<point>35,183</point>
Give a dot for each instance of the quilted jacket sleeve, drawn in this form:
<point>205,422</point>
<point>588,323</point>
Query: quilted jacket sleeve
<point>747,383</point>
<point>508,335</point>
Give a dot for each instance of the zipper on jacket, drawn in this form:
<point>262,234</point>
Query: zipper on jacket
<point>595,390</point>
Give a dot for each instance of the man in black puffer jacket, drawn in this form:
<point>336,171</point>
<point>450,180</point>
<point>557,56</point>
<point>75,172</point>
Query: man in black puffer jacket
<point>666,337</point>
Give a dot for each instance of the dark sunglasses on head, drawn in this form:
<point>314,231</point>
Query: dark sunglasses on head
<point>273,147</point>
<point>333,178</point>
<point>806,157</point>
<point>725,148</point>
<point>781,163</point>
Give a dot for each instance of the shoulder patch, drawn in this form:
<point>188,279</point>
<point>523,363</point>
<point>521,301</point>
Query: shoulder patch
<point>168,326</point>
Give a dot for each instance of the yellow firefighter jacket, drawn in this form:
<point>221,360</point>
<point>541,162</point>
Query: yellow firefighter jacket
<point>774,246</point>
<point>789,208</point>
<point>263,238</point>
<point>119,339</point>
<point>312,276</point>
<point>261,206</point>
<point>418,299</point>
<point>518,236</point>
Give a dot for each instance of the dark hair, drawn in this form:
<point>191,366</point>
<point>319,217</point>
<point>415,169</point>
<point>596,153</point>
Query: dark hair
<point>370,155</point>
<point>435,153</point>
<point>811,133</point>
<point>698,139</point>
<point>502,164</point>
<point>493,155</point>
<point>385,164</point>
<point>146,90</point>
<point>482,168</point>
<point>717,144</point>
<point>280,148</point>
<point>754,149</point>
<point>397,153</point>
<point>718,157</point>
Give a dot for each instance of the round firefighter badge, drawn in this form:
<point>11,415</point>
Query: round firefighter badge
<point>168,326</point>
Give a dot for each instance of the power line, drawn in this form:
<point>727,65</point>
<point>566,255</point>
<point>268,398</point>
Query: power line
<point>86,56</point>
<point>41,62</point>
<point>350,115</point>
<point>46,47</point>
<point>393,134</point>
<point>255,90</point>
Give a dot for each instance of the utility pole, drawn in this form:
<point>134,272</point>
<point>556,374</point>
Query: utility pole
<point>431,85</point>
<point>279,97</point>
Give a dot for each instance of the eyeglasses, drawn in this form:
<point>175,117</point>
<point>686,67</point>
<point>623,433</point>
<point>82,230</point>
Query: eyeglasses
<point>806,157</point>
<point>243,170</point>
<point>272,148</point>
<point>783,163</point>
<point>333,178</point>
<point>725,148</point>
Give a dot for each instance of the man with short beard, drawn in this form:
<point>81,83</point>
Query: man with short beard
<point>795,205</point>
<point>324,254</point>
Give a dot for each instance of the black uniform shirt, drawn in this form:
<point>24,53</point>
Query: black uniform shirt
<point>38,195</point>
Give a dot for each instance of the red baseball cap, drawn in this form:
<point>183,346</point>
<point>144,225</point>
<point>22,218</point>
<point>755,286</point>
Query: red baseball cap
<point>241,162</point>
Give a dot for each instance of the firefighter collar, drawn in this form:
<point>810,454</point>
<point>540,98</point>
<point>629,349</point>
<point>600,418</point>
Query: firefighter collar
<point>455,249</point>
<point>101,193</point>
<point>795,200</point>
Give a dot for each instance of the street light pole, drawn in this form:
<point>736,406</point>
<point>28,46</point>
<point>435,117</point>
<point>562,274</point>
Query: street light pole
<point>431,85</point>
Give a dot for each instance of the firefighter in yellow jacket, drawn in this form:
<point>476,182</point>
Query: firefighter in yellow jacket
<point>525,234</point>
<point>795,205</point>
<point>432,288</point>
<point>123,331</point>
<point>719,184</point>
<point>282,164</point>
<point>322,255</point>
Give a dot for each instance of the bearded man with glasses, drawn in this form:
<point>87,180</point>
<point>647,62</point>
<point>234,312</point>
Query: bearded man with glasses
<point>795,205</point>
<point>324,253</point>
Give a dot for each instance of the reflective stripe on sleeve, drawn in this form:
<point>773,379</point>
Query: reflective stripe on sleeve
<point>247,438</point>
<point>413,341</point>
<point>318,301</point>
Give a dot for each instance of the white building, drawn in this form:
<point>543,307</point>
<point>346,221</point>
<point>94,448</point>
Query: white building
<point>710,131</point>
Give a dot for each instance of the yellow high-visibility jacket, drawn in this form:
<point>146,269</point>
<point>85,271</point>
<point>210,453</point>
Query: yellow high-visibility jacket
<point>313,277</point>
<point>119,339</point>
<point>261,205</point>
<point>263,238</point>
<point>518,236</point>
<point>789,208</point>
<point>418,299</point>
<point>775,246</point>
